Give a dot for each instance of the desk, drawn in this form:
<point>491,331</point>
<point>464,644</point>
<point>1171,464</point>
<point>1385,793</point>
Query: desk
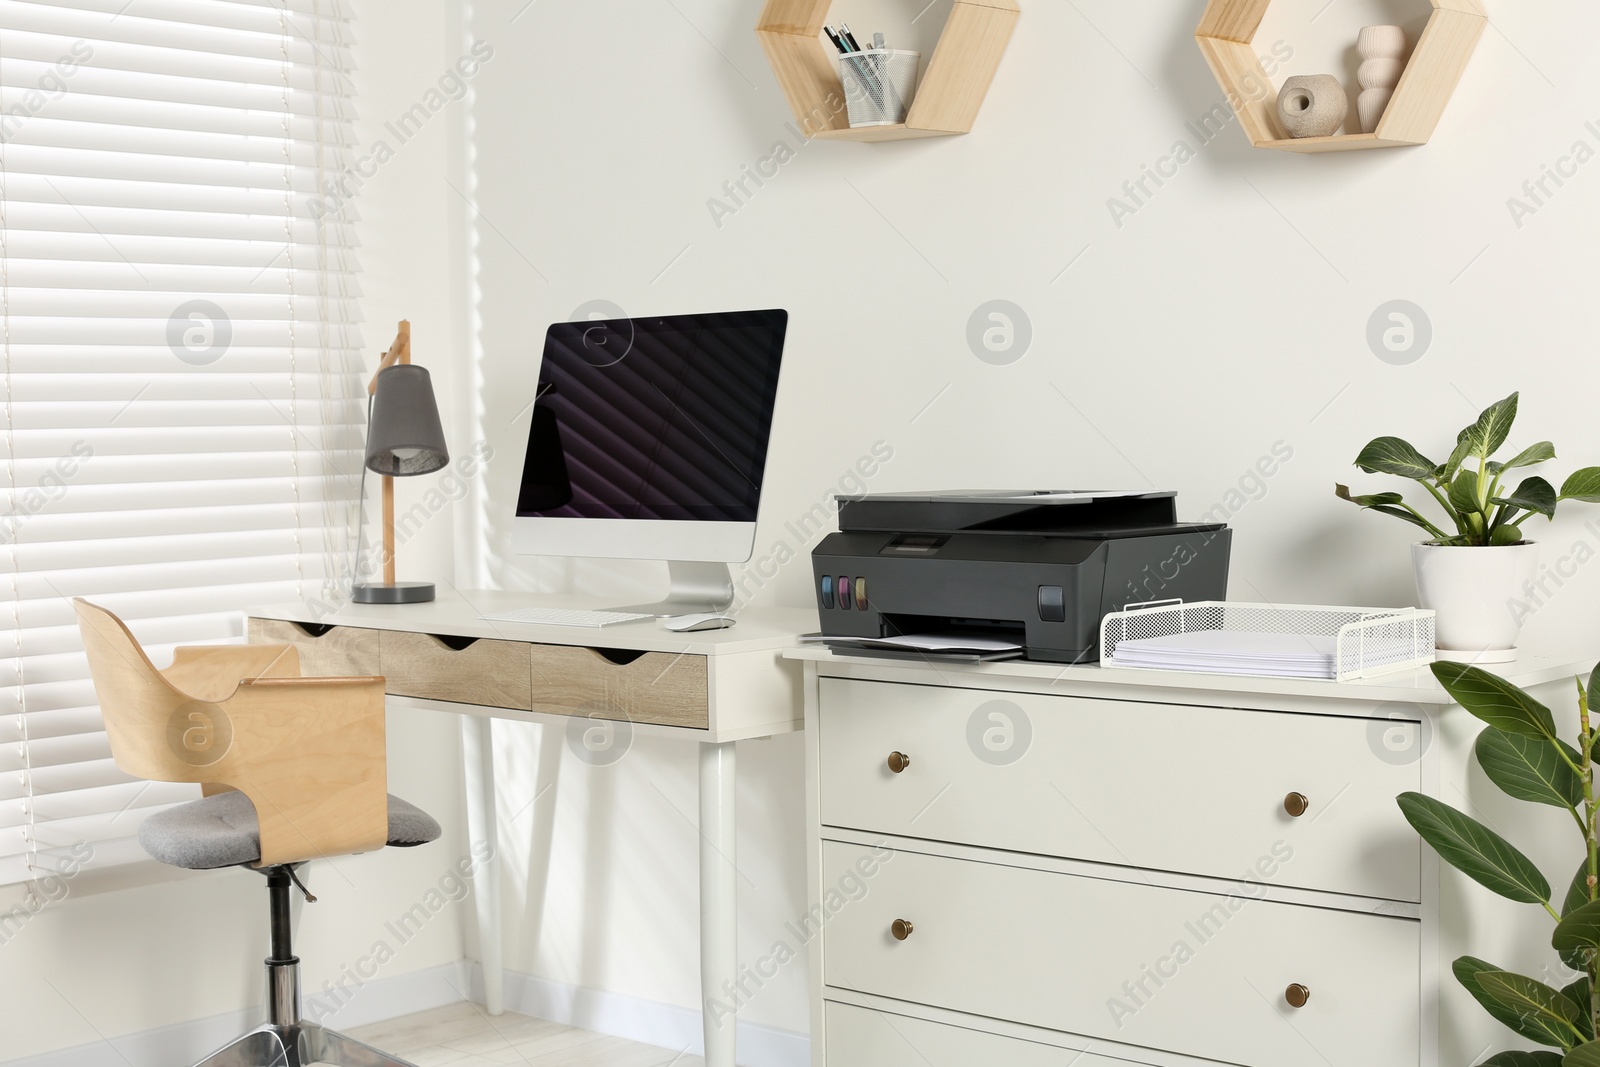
<point>713,689</point>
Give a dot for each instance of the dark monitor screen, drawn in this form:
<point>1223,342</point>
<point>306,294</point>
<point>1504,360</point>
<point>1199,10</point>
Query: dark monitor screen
<point>658,418</point>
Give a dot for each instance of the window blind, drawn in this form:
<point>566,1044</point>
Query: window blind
<point>182,404</point>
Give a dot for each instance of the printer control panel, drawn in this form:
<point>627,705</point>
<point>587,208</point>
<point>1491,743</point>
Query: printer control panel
<point>914,545</point>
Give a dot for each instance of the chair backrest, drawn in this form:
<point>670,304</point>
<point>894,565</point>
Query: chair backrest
<point>307,752</point>
<point>142,710</point>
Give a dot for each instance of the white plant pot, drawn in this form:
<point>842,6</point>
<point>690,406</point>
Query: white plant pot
<point>1473,590</point>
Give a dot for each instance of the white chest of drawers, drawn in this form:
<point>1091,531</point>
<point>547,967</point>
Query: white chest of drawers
<point>1035,865</point>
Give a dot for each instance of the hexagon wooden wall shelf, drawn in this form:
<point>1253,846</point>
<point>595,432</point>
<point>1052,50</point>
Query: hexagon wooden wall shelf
<point>1437,62</point>
<point>949,95</point>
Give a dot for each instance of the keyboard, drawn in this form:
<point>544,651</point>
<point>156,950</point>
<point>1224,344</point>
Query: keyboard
<point>562,617</point>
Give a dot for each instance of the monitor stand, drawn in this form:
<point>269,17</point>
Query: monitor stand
<point>697,588</point>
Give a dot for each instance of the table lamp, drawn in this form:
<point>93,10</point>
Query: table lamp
<point>404,439</point>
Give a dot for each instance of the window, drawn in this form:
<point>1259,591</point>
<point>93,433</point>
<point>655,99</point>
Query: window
<point>182,401</point>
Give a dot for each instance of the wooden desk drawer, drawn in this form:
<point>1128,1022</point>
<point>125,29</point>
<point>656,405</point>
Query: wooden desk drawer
<point>861,1037</point>
<point>1191,789</point>
<point>661,688</point>
<point>338,652</point>
<point>1197,973</point>
<point>496,674</point>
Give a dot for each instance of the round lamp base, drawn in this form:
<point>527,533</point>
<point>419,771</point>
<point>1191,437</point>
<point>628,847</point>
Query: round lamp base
<point>398,593</point>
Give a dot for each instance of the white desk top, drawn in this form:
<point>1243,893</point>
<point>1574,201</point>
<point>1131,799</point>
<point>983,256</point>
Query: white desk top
<point>1412,687</point>
<point>455,613</point>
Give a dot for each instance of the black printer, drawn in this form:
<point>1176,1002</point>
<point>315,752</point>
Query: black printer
<point>1038,568</point>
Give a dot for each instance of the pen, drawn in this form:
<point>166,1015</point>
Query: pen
<point>835,38</point>
<point>850,38</point>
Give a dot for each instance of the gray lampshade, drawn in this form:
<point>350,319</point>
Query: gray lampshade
<point>404,436</point>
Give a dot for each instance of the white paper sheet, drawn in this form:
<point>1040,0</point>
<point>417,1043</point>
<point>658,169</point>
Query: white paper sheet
<point>1233,652</point>
<point>921,642</point>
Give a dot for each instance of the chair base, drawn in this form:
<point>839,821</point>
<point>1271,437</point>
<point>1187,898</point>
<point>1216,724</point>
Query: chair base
<point>287,1040</point>
<point>298,1045</point>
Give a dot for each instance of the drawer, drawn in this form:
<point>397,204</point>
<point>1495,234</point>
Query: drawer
<point>861,1037</point>
<point>1194,973</point>
<point>1169,787</point>
<point>493,674</point>
<point>662,688</point>
<point>327,652</point>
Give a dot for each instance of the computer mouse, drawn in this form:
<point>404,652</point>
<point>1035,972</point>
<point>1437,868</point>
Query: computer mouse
<point>689,624</point>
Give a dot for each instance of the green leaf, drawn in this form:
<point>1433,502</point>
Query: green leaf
<point>1495,700</point>
<point>1468,968</point>
<point>1578,891</point>
<point>1386,503</point>
<point>1370,501</point>
<point>1506,534</point>
<point>1458,456</point>
<point>1463,494</point>
<point>1532,455</point>
<point>1523,1059</point>
<point>1391,455</point>
<point>1577,936</point>
<point>1530,768</point>
<point>1593,692</point>
<point>1402,513</point>
<point>1582,485</point>
<point>1534,494</point>
<point>1533,999</point>
<point>1492,427</point>
<point>1578,993</point>
<point>1475,850</point>
<point>1583,1056</point>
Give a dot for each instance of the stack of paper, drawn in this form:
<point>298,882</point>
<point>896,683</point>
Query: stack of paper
<point>1233,652</point>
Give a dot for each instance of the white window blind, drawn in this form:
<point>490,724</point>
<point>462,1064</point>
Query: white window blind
<point>182,401</point>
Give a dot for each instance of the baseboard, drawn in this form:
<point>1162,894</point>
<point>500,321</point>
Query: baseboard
<point>187,1042</point>
<point>646,1021</point>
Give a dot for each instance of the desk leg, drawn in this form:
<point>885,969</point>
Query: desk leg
<point>477,748</point>
<point>719,912</point>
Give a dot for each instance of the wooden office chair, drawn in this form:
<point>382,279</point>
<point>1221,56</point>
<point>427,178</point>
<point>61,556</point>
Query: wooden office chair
<point>292,769</point>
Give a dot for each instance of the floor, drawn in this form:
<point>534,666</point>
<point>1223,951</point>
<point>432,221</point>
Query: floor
<point>462,1035</point>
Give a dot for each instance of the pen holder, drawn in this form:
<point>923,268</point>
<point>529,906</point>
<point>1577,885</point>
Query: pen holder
<point>878,85</point>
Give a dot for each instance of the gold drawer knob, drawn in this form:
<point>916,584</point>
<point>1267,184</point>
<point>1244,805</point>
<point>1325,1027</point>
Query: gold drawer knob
<point>1296,804</point>
<point>1297,995</point>
<point>901,929</point>
<point>898,761</point>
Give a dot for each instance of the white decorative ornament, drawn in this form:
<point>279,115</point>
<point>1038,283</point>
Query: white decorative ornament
<point>1313,105</point>
<point>1382,50</point>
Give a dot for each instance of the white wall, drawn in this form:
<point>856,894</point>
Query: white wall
<point>129,952</point>
<point>1226,315</point>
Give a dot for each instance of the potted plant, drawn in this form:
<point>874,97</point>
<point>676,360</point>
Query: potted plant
<point>1478,559</point>
<point>1521,753</point>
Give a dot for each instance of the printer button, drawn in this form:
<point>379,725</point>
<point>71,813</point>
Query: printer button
<point>827,591</point>
<point>1052,604</point>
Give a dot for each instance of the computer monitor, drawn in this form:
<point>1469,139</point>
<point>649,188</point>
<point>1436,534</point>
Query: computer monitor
<point>649,441</point>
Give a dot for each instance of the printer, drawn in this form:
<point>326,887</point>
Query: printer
<point>1037,568</point>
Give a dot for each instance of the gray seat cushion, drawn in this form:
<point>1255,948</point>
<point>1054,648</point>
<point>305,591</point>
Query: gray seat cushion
<point>222,831</point>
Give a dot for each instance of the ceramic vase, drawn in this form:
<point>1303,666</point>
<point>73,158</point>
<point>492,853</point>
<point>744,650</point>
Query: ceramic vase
<point>1382,50</point>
